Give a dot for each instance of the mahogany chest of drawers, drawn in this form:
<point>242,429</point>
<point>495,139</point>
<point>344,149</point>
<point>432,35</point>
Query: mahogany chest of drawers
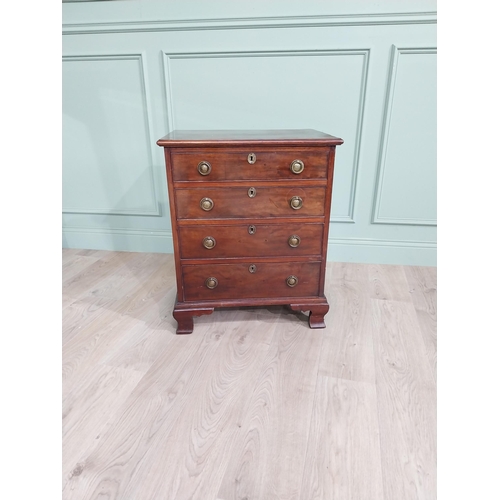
<point>250,216</point>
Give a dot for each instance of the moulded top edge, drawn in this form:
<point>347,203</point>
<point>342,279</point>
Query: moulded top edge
<point>211,138</point>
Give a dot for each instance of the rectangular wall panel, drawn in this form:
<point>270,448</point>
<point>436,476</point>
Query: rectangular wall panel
<point>106,140</point>
<point>276,90</point>
<point>406,188</point>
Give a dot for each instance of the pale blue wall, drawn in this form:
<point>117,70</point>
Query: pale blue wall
<point>364,71</point>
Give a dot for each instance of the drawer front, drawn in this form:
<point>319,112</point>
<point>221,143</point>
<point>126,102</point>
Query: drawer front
<point>250,240</point>
<point>241,202</point>
<point>242,281</point>
<point>268,164</point>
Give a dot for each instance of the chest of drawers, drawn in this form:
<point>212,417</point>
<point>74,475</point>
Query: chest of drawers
<point>250,215</point>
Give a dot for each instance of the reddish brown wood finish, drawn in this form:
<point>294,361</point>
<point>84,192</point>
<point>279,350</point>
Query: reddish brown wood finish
<point>184,318</point>
<point>317,313</point>
<point>233,164</point>
<point>236,280</point>
<point>255,138</point>
<point>230,178</point>
<point>234,202</point>
<point>251,240</point>
<point>326,226</point>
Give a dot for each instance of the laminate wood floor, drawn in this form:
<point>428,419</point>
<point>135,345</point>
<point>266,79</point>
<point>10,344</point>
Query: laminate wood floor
<point>253,405</point>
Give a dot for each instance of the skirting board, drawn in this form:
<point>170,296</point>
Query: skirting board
<point>124,240</point>
<point>370,251</point>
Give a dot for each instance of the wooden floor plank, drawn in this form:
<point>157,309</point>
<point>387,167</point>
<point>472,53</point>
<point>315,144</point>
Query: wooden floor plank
<point>154,413</point>
<point>68,254</point>
<point>159,397</point>
<point>423,289</point>
<point>92,252</point>
<point>406,395</point>
<point>194,455</point>
<point>269,453</point>
<point>388,283</point>
<point>254,404</point>
<point>138,347</point>
<point>347,346</point>
<point>131,334</point>
<point>343,455</point>
<point>76,265</point>
<point>158,292</point>
<point>85,352</point>
<point>131,289</point>
<point>87,411</point>
<point>82,283</point>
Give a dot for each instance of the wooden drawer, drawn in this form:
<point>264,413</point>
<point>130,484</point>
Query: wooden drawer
<point>234,202</point>
<point>270,164</point>
<point>250,240</point>
<point>236,280</point>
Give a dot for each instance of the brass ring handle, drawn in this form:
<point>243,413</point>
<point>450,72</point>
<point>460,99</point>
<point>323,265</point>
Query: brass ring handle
<point>294,241</point>
<point>296,202</point>
<point>297,166</point>
<point>206,204</point>
<point>292,281</point>
<point>211,282</point>
<point>204,168</point>
<point>209,242</point>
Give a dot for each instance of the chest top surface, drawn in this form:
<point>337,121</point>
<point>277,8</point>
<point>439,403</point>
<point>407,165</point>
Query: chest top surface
<point>211,138</point>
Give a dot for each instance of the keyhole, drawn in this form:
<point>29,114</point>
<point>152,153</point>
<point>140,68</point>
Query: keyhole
<point>252,192</point>
<point>252,157</point>
<point>252,229</point>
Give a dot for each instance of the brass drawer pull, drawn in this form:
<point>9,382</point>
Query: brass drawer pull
<point>252,158</point>
<point>252,192</point>
<point>209,242</point>
<point>252,229</point>
<point>294,241</point>
<point>211,283</point>
<point>292,281</point>
<point>296,202</point>
<point>206,204</point>
<point>204,168</point>
<point>297,166</point>
<point>252,268</point>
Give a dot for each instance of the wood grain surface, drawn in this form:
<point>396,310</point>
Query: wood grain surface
<point>256,138</point>
<point>235,280</point>
<point>423,289</point>
<point>270,163</point>
<point>406,396</point>
<point>234,202</point>
<point>263,240</point>
<point>253,405</point>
